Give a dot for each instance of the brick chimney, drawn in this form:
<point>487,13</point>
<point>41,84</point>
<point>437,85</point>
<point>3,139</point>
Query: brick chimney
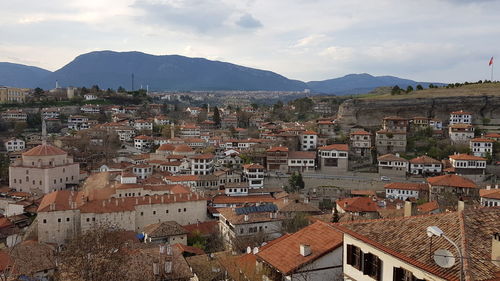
<point>410,209</point>
<point>305,250</point>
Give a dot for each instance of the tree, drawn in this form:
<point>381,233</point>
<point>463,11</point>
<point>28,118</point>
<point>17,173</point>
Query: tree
<point>97,254</point>
<point>216,117</point>
<point>121,90</point>
<point>296,223</point>
<point>395,90</point>
<point>295,183</point>
<point>409,89</point>
<point>419,87</point>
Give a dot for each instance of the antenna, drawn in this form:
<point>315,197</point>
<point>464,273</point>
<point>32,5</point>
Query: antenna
<point>444,258</point>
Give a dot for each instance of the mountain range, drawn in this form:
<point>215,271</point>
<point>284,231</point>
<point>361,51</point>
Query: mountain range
<point>110,69</point>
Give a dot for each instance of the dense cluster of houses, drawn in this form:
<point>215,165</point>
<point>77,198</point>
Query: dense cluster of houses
<point>203,176</point>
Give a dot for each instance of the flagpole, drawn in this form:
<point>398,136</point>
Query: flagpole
<point>492,71</point>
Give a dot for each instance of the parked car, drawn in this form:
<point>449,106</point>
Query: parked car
<point>385,178</point>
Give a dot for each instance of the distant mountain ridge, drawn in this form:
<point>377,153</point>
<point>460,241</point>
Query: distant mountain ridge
<point>361,83</point>
<point>110,69</point>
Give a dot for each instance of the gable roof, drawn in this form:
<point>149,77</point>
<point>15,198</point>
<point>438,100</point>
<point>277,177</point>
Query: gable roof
<point>407,186</point>
<point>424,159</point>
<point>337,146</point>
<point>357,204</point>
<point>452,181</point>
<point>284,255</point>
<point>163,229</point>
<point>466,157</point>
<point>391,157</point>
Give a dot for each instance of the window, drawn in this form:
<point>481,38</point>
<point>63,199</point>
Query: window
<point>142,213</point>
<point>184,209</point>
<point>166,211</point>
<point>368,263</point>
<point>401,274</point>
<point>154,212</point>
<point>88,219</point>
<point>67,219</point>
<point>58,220</point>
<point>44,221</point>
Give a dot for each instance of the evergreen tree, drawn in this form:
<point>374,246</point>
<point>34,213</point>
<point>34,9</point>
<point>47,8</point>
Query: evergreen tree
<point>295,183</point>
<point>217,117</point>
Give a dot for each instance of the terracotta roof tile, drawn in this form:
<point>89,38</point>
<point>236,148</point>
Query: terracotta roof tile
<point>466,157</point>
<point>44,150</point>
<point>338,146</point>
<point>424,160</point>
<point>407,186</point>
<point>285,256</point>
<point>357,204</point>
<point>452,180</point>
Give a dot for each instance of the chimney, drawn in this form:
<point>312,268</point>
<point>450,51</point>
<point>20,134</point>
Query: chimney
<point>461,204</point>
<point>488,187</point>
<point>162,199</point>
<point>410,209</point>
<point>397,154</point>
<point>104,203</point>
<point>245,217</point>
<point>305,250</point>
<point>137,201</point>
<point>116,202</point>
<point>496,186</point>
<point>495,248</point>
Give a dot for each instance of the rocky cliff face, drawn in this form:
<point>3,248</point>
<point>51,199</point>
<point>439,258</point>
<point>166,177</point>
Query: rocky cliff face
<point>369,113</point>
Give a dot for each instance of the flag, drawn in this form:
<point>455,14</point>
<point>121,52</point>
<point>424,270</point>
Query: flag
<point>491,61</point>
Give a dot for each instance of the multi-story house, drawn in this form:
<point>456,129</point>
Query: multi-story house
<point>143,142</point>
<point>43,169</point>
<point>302,161</point>
<point>64,214</point>
<point>373,250</point>
<point>162,120</point>
<point>14,115</point>
<point>14,144</point>
<point>230,121</point>
<point>90,109</point>
<point>461,133</point>
<point>333,158</point>
<point>465,164</point>
<point>407,190</point>
<point>51,113</point>
<point>326,128</point>
<point>441,186</point>
<point>202,164</point>
<point>392,165</point>
<point>254,175</point>
<point>361,142</point>
<point>481,147</point>
<point>277,159</point>
<point>78,122</point>
<point>308,140</point>
<point>313,253</point>
<point>240,226</point>
<point>460,117</point>
<point>190,131</point>
<point>13,95</point>
<point>143,125</point>
<point>490,196</point>
<point>425,165</point>
<point>390,141</point>
<point>395,123</point>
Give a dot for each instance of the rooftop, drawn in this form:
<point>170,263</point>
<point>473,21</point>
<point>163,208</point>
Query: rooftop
<point>452,180</point>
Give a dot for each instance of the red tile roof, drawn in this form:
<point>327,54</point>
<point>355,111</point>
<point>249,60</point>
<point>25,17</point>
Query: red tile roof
<point>452,180</point>
<point>424,160</point>
<point>302,155</point>
<point>278,148</point>
<point>428,207</point>
<point>337,146</point>
<point>361,132</point>
<point>391,157</point>
<point>224,199</point>
<point>406,186</point>
<point>203,228</point>
<point>481,140</point>
<point>357,204</point>
<point>253,166</point>
<point>490,193</point>
<point>44,150</point>
<point>166,147</point>
<point>467,157</point>
<point>461,112</point>
<point>285,256</point>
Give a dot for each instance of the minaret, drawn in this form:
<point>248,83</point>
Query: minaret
<point>44,132</point>
<point>172,130</point>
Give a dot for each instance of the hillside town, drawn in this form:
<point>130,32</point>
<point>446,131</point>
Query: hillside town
<point>131,185</point>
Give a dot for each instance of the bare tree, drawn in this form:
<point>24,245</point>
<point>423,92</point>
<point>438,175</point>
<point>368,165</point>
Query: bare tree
<point>97,254</point>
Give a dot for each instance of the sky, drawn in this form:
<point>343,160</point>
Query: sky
<point>424,40</point>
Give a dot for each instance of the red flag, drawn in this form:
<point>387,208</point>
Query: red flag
<point>491,61</point>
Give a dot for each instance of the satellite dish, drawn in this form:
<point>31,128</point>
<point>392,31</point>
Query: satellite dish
<point>444,258</point>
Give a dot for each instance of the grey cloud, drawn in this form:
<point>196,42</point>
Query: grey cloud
<point>248,21</point>
<point>202,16</point>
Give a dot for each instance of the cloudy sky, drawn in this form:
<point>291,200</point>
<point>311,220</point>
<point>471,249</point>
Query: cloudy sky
<point>425,40</point>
